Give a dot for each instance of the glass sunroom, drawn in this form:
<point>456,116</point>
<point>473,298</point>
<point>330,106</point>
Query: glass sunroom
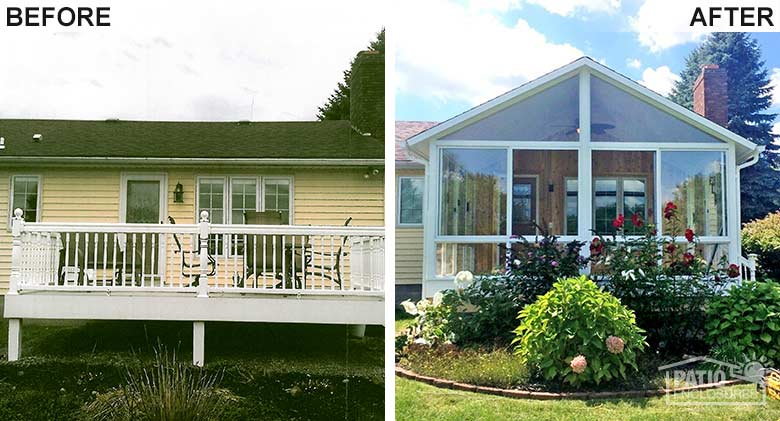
<point>566,154</point>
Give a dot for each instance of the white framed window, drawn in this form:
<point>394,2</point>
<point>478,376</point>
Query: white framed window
<point>25,195</point>
<point>227,198</point>
<point>570,218</point>
<point>410,201</point>
<point>277,196</point>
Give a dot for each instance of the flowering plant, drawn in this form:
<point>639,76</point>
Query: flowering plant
<point>430,322</point>
<point>665,280</point>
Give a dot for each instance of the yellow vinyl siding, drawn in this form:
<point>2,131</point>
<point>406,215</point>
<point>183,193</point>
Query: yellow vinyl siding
<point>321,196</point>
<point>408,244</point>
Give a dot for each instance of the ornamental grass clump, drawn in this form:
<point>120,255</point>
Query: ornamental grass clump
<point>169,390</point>
<point>578,334</point>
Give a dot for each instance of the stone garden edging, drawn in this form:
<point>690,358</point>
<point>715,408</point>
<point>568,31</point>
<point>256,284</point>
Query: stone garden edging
<point>526,394</point>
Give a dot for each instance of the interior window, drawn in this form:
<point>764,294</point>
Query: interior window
<point>243,198</point>
<point>572,206</point>
<point>618,196</point>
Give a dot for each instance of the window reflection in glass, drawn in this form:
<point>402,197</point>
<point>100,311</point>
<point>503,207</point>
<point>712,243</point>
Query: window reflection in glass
<point>694,182</point>
<point>410,200</point>
<point>473,192</point>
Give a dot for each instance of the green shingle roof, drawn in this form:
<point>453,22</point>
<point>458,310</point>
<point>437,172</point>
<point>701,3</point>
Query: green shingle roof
<point>147,139</point>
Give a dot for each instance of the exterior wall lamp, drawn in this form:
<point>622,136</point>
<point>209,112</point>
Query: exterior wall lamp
<point>178,194</point>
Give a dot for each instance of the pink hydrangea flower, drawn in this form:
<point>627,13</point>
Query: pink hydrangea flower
<point>578,364</point>
<point>615,345</point>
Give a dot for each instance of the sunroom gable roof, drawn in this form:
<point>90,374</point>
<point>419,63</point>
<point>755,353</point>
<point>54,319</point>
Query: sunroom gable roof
<point>418,143</point>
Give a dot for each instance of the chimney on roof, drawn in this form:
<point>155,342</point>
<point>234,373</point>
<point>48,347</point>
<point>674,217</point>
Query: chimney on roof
<point>367,93</point>
<point>710,94</point>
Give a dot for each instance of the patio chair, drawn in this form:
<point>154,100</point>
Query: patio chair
<point>324,270</point>
<point>267,259</point>
<point>191,269</point>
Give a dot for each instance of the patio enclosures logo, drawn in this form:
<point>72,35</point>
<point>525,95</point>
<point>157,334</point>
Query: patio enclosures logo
<point>707,381</point>
<point>55,16</point>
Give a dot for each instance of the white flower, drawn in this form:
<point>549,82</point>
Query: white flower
<point>629,274</point>
<point>422,341</point>
<point>422,305</point>
<point>516,262</point>
<point>641,272</point>
<point>409,307</point>
<point>437,298</point>
<point>463,279</point>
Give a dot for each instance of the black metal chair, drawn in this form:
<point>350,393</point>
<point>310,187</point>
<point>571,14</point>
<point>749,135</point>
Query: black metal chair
<point>192,269</point>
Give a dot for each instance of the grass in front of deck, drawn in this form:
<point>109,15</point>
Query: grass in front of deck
<point>280,371</point>
<point>418,401</point>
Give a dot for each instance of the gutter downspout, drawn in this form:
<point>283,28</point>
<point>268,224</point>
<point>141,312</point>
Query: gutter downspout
<point>749,163</point>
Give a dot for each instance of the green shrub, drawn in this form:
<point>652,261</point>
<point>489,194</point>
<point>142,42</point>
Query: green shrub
<point>667,285</point>
<point>762,237</point>
<point>497,368</point>
<point>745,324</point>
<point>171,390</point>
<point>484,312</point>
<point>577,319</point>
<point>430,322</point>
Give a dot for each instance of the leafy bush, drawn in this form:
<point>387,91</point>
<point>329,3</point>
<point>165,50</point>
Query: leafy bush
<point>667,284</point>
<point>762,237</point>
<point>497,368</point>
<point>535,267</point>
<point>484,311</point>
<point>578,334</point>
<point>745,324</point>
<point>171,390</point>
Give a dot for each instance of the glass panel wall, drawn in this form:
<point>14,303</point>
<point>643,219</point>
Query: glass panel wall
<point>551,115</point>
<point>694,182</point>
<point>479,259</point>
<point>541,201</point>
<point>473,192</point>
<point>617,116</point>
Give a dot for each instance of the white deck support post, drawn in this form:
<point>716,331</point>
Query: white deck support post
<point>198,343</point>
<point>17,223</point>
<point>203,253</point>
<point>15,325</point>
<point>357,331</point>
<point>14,339</point>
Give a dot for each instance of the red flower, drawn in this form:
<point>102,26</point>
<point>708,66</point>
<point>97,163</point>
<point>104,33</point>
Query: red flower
<point>654,232</point>
<point>618,222</point>
<point>596,247</point>
<point>733,271</point>
<point>636,220</point>
<point>671,248</point>
<point>689,235</point>
<point>687,259</point>
<point>669,210</point>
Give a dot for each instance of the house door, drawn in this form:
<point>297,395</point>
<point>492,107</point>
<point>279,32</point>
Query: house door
<point>524,206</point>
<point>143,202</point>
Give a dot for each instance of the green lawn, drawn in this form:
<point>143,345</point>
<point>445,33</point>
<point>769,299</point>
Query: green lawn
<point>65,362</point>
<point>418,401</point>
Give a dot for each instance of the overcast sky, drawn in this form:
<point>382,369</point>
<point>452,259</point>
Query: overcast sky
<point>193,60</point>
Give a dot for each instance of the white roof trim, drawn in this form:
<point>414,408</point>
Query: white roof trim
<point>665,104</point>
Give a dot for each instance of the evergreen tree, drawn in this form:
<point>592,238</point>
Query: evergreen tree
<point>337,106</point>
<point>749,96</point>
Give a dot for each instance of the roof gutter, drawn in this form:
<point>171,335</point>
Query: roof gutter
<point>753,158</point>
<point>21,160</point>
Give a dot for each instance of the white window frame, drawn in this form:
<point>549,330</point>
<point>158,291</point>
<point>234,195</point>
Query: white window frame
<point>229,196</point>
<point>398,221</point>
<point>291,181</point>
<point>38,205</point>
<point>132,176</point>
<point>584,146</point>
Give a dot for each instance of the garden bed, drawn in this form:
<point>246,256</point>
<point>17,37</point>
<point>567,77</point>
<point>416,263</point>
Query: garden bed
<point>540,395</point>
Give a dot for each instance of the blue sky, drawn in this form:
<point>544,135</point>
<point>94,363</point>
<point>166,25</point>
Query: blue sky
<point>535,36</point>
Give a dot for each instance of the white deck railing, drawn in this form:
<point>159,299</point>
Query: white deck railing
<point>201,258</point>
<point>748,267</point>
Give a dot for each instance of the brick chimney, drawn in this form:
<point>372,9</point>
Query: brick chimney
<point>367,94</point>
<point>710,94</point>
